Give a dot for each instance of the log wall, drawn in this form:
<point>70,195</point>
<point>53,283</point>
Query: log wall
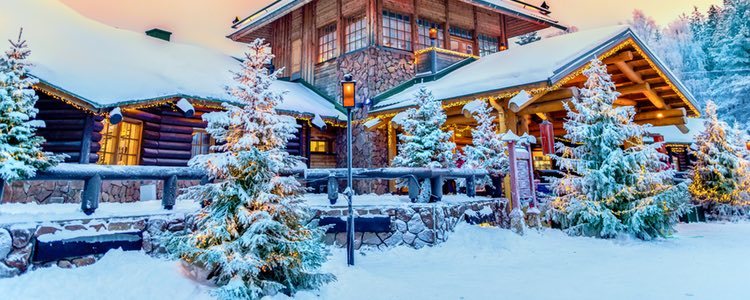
<point>64,131</point>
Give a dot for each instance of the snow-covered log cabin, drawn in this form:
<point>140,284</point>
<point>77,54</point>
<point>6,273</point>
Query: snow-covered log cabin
<point>116,97</point>
<point>386,46</point>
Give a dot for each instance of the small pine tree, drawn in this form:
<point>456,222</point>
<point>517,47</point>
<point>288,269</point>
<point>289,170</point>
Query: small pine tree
<point>720,169</point>
<point>609,190</point>
<point>488,150</point>
<point>252,235</point>
<point>528,38</point>
<point>21,152</point>
<point>423,144</point>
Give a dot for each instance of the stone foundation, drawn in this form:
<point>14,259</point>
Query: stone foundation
<point>412,225</point>
<point>417,225</point>
<point>51,192</point>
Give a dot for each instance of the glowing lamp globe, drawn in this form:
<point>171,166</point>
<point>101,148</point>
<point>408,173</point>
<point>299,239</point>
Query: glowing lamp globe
<point>348,87</point>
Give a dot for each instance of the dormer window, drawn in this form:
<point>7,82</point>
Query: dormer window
<point>396,31</point>
<point>424,34</point>
<point>327,42</point>
<point>356,33</point>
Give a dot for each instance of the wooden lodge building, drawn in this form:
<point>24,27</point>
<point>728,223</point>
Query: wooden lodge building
<point>121,98</point>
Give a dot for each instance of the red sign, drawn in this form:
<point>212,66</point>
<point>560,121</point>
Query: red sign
<point>548,137</point>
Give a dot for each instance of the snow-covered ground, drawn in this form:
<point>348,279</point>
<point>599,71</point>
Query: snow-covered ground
<point>32,212</point>
<point>703,261</point>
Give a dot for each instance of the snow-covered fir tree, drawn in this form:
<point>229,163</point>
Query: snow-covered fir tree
<point>720,169</point>
<point>253,235</point>
<point>528,38</point>
<point>423,143</point>
<point>614,183</point>
<point>21,152</point>
<point>487,151</point>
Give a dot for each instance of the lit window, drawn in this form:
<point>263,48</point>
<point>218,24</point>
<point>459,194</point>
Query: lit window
<point>327,42</point>
<point>356,33</point>
<point>423,27</point>
<point>202,142</point>
<point>396,31</point>
<point>121,143</point>
<point>462,40</point>
<point>319,146</point>
<point>541,161</point>
<point>487,44</point>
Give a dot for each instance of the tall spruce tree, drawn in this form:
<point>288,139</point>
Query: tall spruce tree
<point>488,150</point>
<point>720,169</point>
<point>253,235</point>
<point>423,143</point>
<point>614,183</point>
<point>21,152</point>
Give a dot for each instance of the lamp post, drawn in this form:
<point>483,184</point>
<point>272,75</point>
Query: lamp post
<point>348,100</point>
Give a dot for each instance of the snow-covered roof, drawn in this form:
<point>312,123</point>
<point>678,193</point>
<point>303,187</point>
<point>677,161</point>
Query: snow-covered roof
<point>543,62</point>
<point>107,67</point>
<point>673,135</point>
<point>279,8</point>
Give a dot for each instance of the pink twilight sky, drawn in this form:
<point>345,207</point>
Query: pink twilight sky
<point>207,22</point>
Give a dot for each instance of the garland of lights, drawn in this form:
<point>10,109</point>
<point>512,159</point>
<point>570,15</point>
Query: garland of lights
<point>444,51</point>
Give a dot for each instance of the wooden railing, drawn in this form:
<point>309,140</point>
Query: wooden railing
<point>93,175</point>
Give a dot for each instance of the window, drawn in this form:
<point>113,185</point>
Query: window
<point>121,143</point>
<point>319,146</point>
<point>487,45</point>
<point>396,31</point>
<point>423,27</point>
<point>541,161</point>
<point>202,142</point>
<point>462,40</point>
<point>356,33</point>
<point>327,42</point>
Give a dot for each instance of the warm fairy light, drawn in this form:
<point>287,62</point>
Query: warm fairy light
<point>660,115</point>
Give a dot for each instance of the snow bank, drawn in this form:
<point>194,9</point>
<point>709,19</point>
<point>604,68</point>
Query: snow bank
<point>704,261</point>
<point>31,212</point>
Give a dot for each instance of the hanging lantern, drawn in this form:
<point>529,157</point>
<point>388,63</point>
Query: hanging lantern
<point>658,138</point>
<point>747,144</point>
<point>503,47</point>
<point>548,137</point>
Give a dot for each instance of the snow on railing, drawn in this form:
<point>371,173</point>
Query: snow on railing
<point>93,175</point>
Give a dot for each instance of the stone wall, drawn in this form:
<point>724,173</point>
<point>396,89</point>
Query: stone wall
<point>16,256</point>
<point>418,225</point>
<point>51,192</point>
<point>412,225</point>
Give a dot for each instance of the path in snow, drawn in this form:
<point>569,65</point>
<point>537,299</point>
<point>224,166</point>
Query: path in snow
<point>704,261</point>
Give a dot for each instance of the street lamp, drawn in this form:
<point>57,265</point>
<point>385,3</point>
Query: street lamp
<point>348,97</point>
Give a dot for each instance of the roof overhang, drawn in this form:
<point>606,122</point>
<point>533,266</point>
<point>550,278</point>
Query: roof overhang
<point>265,16</point>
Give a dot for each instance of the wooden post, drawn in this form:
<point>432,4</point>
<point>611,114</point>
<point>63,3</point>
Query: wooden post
<point>333,189</point>
<point>92,187</point>
<point>531,176</point>
<point>514,197</point>
<point>471,189</point>
<point>436,184</point>
<point>88,129</point>
<point>170,192</point>
<point>413,187</point>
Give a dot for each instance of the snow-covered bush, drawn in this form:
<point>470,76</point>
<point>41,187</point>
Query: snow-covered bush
<point>721,182</point>
<point>253,235</point>
<point>488,151</point>
<point>21,152</point>
<point>423,144</point>
<point>614,183</point>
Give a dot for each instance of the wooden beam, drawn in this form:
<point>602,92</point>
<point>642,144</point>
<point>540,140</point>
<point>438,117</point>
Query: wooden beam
<point>664,121</point>
<point>638,88</point>
<point>501,126</point>
<point>542,116</point>
<point>625,102</point>
<point>514,107</point>
<point>631,74</point>
<point>563,93</point>
<point>660,114</point>
<point>545,107</point>
<point>460,119</point>
<point>622,57</point>
<point>656,99</point>
<point>683,128</point>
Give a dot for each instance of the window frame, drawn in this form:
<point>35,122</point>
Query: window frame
<point>326,144</point>
<point>115,138</point>
<point>487,43</point>
<point>211,142</point>
<point>329,32</point>
<point>390,18</point>
<point>354,25</point>
<point>423,33</point>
